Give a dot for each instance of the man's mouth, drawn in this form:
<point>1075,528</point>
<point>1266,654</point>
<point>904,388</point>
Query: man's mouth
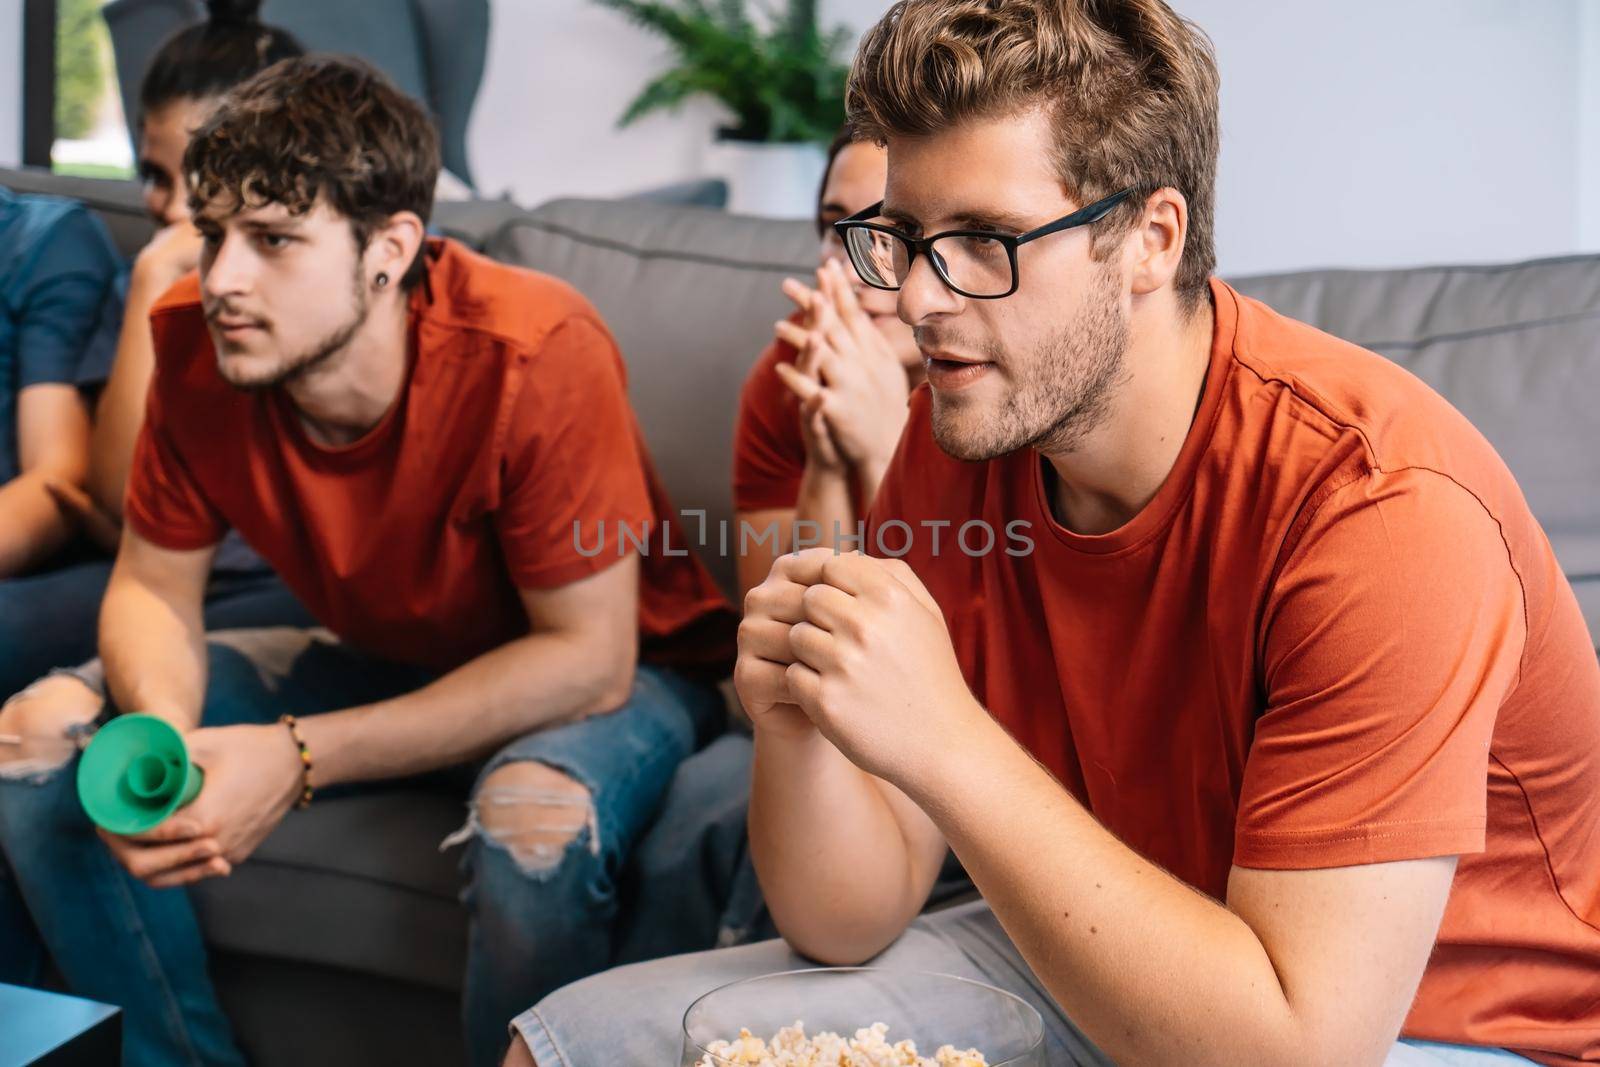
<point>951,371</point>
<point>235,326</point>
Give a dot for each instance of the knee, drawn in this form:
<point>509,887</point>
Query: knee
<point>36,725</point>
<point>534,813</point>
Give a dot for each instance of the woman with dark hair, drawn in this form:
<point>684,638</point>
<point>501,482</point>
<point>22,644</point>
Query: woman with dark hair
<point>819,416</point>
<point>822,409</point>
<point>47,620</point>
<point>187,75</point>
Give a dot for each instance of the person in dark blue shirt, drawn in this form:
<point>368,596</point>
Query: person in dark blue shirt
<point>56,265</point>
<point>48,617</point>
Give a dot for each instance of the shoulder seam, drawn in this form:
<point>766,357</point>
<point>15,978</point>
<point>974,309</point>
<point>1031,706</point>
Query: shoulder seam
<point>1312,401</point>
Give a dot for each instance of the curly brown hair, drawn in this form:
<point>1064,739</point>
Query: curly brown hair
<point>327,127</point>
<point>1130,87</point>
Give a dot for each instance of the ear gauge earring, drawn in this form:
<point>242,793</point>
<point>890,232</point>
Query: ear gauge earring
<point>381,280</point>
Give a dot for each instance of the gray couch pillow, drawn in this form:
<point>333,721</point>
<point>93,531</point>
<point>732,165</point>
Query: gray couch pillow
<point>691,296</point>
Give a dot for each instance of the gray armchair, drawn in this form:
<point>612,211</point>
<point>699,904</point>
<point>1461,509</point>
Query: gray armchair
<point>432,49</point>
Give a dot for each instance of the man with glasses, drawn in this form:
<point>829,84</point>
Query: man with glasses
<point>1277,742</point>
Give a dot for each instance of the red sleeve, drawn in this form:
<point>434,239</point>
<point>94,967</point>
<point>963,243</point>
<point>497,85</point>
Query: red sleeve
<point>572,476</point>
<point>1391,637</point>
<point>164,503</point>
<point>769,454</point>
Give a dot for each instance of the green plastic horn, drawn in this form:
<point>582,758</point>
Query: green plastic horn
<point>135,772</point>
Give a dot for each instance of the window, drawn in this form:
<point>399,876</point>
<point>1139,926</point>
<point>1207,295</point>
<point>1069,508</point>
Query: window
<point>71,108</point>
<point>90,135</point>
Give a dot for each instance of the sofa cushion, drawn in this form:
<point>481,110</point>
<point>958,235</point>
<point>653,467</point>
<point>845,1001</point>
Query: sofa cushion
<point>1515,347</point>
<point>353,882</point>
<point>691,296</point>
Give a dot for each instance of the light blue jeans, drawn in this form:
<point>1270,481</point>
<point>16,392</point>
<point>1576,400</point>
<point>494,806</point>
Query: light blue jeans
<point>533,926</point>
<point>634,1014</point>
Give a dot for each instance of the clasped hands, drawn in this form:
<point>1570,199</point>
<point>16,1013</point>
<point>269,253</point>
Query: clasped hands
<point>851,386</point>
<point>854,648</point>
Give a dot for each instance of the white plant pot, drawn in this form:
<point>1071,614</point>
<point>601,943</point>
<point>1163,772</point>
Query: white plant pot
<point>776,180</point>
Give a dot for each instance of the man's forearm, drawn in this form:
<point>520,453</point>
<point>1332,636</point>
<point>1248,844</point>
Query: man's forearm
<point>870,475</point>
<point>154,652</point>
<point>823,502</point>
<point>32,527</point>
<point>536,681</point>
<point>835,868</point>
<point>1149,968</point>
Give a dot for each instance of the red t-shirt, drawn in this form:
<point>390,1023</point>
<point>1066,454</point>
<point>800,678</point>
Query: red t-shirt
<point>1335,636</point>
<point>513,425</point>
<point>769,453</point>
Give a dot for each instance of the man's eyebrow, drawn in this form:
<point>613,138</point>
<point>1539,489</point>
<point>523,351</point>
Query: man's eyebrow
<point>900,218</point>
<point>285,222</point>
<point>997,220</point>
<point>963,220</point>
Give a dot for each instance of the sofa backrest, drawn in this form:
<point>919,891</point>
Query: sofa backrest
<point>691,296</point>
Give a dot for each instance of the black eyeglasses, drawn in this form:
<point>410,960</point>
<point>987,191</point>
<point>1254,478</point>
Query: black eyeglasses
<point>979,264</point>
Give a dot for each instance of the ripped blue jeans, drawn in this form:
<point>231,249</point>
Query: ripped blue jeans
<point>540,914</point>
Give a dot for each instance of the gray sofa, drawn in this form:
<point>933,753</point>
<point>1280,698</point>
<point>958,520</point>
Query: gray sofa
<point>341,942</point>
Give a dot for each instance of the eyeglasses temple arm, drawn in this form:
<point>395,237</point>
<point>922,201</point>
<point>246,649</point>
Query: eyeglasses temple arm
<point>1082,217</point>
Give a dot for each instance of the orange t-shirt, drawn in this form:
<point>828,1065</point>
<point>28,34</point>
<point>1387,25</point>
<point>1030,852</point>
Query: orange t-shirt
<point>513,425</point>
<point>1336,636</point>
<point>769,453</point>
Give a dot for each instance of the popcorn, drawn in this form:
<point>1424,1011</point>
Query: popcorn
<point>869,1047</point>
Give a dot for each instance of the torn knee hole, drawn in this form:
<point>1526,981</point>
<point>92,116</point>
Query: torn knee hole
<point>534,812</point>
<point>40,730</point>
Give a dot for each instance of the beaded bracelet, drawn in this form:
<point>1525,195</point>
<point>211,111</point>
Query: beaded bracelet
<point>307,790</point>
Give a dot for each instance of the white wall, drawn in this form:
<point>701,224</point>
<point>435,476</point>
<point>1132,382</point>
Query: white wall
<point>1371,132</point>
<point>1589,130</point>
<point>10,82</point>
<point>1355,132</point>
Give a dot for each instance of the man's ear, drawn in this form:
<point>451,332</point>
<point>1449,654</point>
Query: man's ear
<point>392,248</point>
<point>1157,241</point>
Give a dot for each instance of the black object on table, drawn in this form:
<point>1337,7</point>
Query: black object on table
<point>51,1030</point>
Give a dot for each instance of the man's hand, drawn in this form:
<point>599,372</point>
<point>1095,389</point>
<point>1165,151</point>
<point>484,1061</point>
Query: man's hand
<point>858,647</point>
<point>771,610</point>
<point>252,777</point>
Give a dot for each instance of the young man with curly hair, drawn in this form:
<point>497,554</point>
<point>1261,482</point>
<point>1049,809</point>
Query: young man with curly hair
<point>409,434</point>
<point>1275,740</point>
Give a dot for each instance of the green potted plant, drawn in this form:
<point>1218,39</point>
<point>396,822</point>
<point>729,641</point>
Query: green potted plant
<point>779,75</point>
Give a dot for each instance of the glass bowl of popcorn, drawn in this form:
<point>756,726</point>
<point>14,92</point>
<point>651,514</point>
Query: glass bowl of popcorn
<point>864,1016</point>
